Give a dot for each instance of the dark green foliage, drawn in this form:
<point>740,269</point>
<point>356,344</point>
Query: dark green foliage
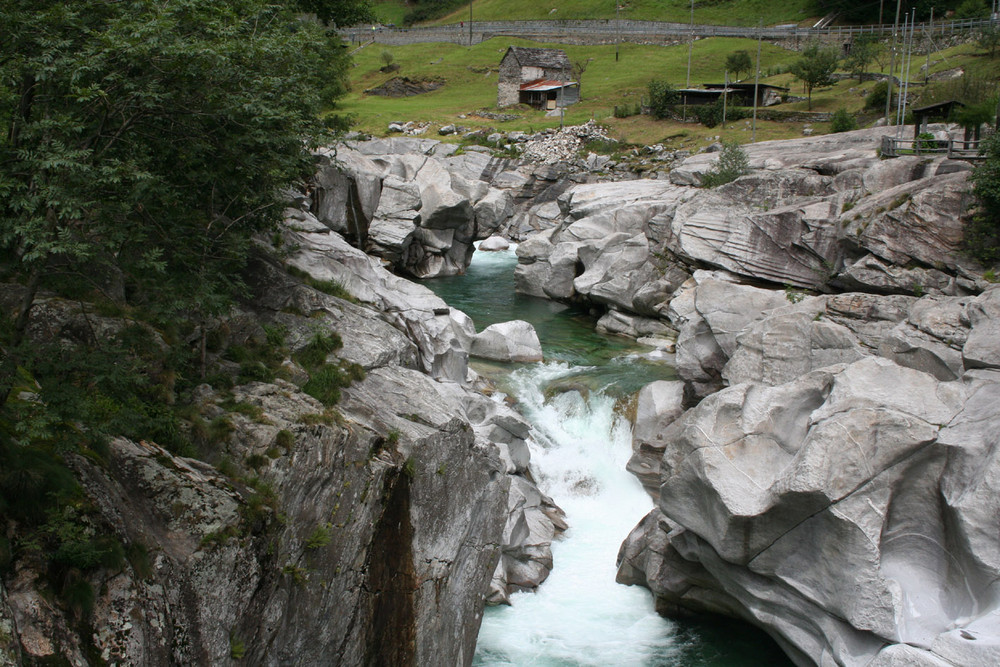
<point>989,39</point>
<point>325,384</point>
<point>601,146</point>
<point>739,61</point>
<point>331,287</point>
<point>972,9</point>
<point>842,121</point>
<point>146,141</point>
<point>427,10</point>
<point>732,163</point>
<point>710,115</point>
<point>337,12</point>
<point>662,98</point>
<point>982,233</point>
<point>815,68</point>
<point>319,538</point>
<point>627,110</point>
<point>256,461</point>
<point>319,348</point>
<point>285,439</point>
<point>875,99</point>
<point>864,50</point>
<point>851,11</point>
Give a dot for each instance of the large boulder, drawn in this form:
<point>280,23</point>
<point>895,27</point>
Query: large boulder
<point>765,514</point>
<point>508,341</point>
<point>839,500</point>
<point>405,201</point>
<point>442,335</point>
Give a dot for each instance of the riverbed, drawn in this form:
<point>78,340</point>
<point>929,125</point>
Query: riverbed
<point>577,401</point>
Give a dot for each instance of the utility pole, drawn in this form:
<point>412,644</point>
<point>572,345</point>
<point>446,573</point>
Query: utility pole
<point>470,23</point>
<point>930,44</point>
<point>687,86</point>
<point>725,97</point>
<point>756,82</point>
<point>892,64</point>
<point>618,27</point>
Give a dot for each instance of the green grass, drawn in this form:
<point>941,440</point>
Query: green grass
<point>389,11</point>
<point>724,12</point>
<point>470,76</point>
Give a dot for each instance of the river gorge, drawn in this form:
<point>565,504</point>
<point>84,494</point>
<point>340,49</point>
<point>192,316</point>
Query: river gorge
<point>670,407</point>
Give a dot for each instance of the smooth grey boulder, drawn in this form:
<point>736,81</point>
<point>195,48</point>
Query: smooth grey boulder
<point>508,341</point>
<point>793,244</point>
<point>918,221</point>
<point>346,192</point>
<point>847,510</point>
<point>787,345</point>
<point>871,274</point>
<point>493,244</point>
<point>406,201</point>
<point>633,326</point>
<point>709,312</point>
<point>491,211</point>
<point>533,522</point>
<point>442,335</point>
<point>982,349</point>
<point>658,405</point>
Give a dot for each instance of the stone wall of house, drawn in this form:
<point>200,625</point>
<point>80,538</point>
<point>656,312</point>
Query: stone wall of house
<point>509,81</point>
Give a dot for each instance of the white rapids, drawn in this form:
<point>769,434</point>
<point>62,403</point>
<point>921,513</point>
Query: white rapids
<point>579,615</point>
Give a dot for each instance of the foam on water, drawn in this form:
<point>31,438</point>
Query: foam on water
<point>579,616</point>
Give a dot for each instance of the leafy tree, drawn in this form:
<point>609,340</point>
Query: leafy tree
<point>815,68</point>
<point>989,39</point>
<point>337,12</point>
<point>146,141</point>
<point>982,235</point>
<point>662,98</point>
<point>864,50</point>
<point>733,162</point>
<point>972,9</point>
<point>739,61</point>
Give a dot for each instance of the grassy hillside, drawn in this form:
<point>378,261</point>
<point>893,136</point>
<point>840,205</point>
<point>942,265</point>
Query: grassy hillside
<point>720,12</point>
<point>470,78</point>
<point>723,12</point>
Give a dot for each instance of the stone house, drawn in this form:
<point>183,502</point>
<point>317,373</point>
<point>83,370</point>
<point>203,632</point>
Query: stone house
<point>539,77</point>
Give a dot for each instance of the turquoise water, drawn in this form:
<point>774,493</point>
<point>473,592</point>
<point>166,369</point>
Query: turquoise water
<point>579,449</point>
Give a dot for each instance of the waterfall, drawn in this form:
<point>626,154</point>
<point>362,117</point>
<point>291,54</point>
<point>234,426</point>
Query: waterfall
<point>579,616</point>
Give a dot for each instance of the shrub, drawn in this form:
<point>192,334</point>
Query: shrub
<point>319,538</point>
<point>842,121</point>
<point>662,98</point>
<point>325,384</point>
<point>733,162</point>
<point>875,100</point>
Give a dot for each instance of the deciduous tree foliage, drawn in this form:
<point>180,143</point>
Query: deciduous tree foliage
<point>144,142</point>
<point>739,61</point>
<point>982,235</point>
<point>815,68</point>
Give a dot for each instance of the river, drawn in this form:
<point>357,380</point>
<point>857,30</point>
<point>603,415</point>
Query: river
<point>574,400</point>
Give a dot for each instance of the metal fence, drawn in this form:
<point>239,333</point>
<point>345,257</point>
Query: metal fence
<point>953,148</point>
<point>626,30</point>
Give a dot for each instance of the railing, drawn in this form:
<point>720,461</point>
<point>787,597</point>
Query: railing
<point>956,149</point>
<point>627,28</point>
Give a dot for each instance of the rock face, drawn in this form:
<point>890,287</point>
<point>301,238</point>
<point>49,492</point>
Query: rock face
<point>839,492</point>
<point>818,213</point>
<point>822,467</point>
<point>367,533</point>
<point>401,199</point>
